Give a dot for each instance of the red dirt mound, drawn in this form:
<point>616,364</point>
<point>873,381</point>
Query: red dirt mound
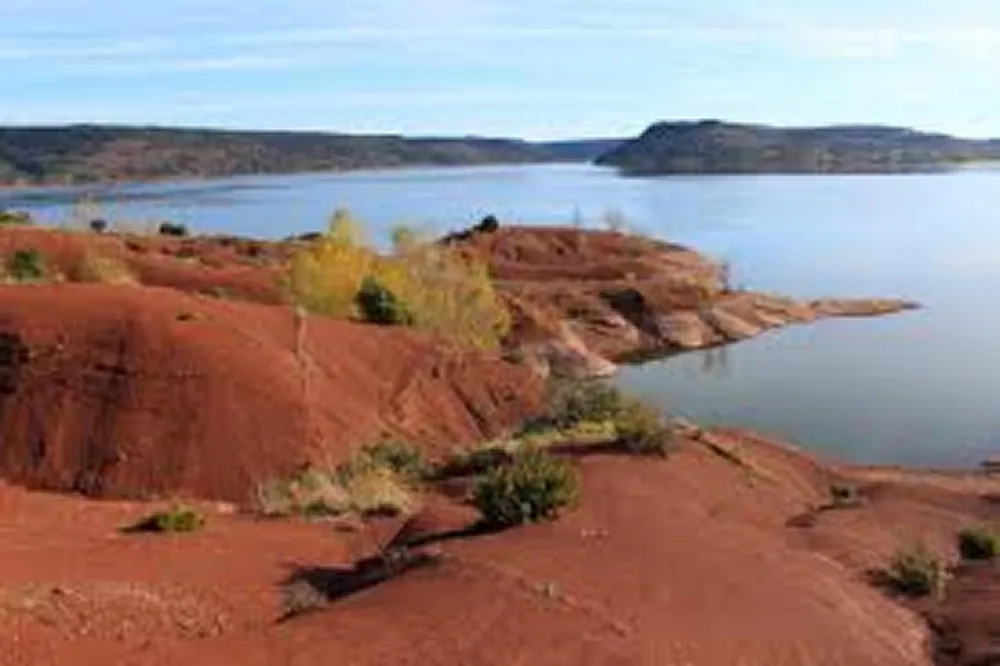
<point>221,266</point>
<point>119,391</point>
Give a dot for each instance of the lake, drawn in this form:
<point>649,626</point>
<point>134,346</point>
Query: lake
<point>917,388</point>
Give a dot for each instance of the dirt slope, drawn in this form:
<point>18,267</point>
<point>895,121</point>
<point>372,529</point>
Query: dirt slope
<point>695,560</point>
<point>123,391</point>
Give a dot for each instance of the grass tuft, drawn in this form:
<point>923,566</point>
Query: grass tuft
<point>176,519</point>
<point>978,543</point>
<point>574,402</point>
<point>26,265</point>
<point>642,429</point>
<point>103,269</point>
<point>915,572</point>
<point>375,481</point>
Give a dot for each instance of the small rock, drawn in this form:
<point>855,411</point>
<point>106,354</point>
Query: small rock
<point>225,508</point>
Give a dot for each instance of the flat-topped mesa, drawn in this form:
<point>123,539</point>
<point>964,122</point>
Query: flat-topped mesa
<point>712,146</point>
<point>582,299</point>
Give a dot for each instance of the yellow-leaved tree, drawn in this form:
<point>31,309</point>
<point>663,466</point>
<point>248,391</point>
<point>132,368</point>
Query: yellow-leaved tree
<point>325,277</point>
<point>445,293</point>
<point>439,290</point>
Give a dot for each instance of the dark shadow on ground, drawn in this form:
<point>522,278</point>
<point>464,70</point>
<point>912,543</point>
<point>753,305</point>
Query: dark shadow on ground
<point>310,588</point>
<point>586,449</point>
<point>810,517</point>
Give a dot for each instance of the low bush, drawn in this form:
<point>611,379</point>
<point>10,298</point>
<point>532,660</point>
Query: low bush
<point>375,480</point>
<point>915,572</point>
<point>400,457</point>
<point>534,487</point>
<point>978,543</point>
<point>15,218</point>
<point>642,429</point>
<point>488,225</point>
<point>173,229</point>
<point>844,495</point>
<point>174,519</point>
<point>26,266</point>
<point>102,269</point>
<point>474,462</point>
<point>312,493</point>
<point>574,402</point>
<point>378,305</point>
<point>379,491</point>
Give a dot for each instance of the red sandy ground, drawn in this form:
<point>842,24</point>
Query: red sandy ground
<point>137,392</point>
<point>163,390</point>
<point>692,560</point>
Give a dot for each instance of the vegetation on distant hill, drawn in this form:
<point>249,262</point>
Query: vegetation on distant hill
<point>716,147</point>
<point>85,153</point>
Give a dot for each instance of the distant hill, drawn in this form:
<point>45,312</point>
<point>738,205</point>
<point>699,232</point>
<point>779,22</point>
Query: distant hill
<point>86,153</point>
<point>712,146</point>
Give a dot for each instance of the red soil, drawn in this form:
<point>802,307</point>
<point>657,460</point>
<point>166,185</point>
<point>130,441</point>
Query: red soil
<point>694,560</point>
<point>230,267</point>
<point>162,391</point>
<point>138,392</point>
<point>622,296</point>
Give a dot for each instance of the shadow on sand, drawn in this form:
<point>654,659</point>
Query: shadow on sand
<point>310,588</point>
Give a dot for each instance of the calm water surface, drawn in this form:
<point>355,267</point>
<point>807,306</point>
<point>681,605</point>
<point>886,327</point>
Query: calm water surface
<point>919,388</point>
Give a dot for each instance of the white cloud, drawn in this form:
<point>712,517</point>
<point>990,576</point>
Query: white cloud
<point>795,40</point>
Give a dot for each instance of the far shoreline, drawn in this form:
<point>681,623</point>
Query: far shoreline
<point>195,178</point>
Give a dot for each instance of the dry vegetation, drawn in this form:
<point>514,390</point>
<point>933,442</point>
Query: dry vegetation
<point>429,286</point>
<point>95,267</point>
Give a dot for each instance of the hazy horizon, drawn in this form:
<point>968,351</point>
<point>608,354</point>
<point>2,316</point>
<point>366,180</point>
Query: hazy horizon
<point>540,71</point>
<point>479,136</point>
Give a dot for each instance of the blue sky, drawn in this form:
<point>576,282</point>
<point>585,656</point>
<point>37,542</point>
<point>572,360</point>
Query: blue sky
<point>534,68</point>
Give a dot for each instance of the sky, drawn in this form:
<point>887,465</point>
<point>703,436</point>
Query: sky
<point>538,69</point>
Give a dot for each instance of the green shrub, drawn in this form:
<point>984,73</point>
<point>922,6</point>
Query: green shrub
<point>174,519</point>
<point>642,429</point>
<point>533,488</point>
<point>13,217</point>
<point>844,495</point>
<point>474,462</point>
<point>378,305</point>
<point>574,402</point>
<point>915,572</point>
<point>402,458</point>
<point>26,266</point>
<point>978,543</point>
